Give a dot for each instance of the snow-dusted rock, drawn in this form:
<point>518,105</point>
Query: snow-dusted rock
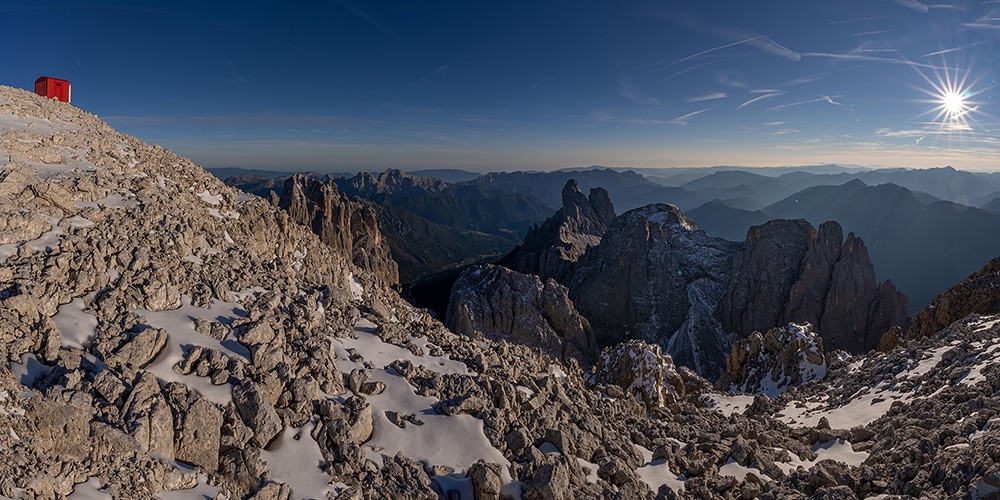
<point>655,277</point>
<point>775,361</point>
<point>643,370</point>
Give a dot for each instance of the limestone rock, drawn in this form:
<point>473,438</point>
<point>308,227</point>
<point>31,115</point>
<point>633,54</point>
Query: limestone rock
<point>497,303</point>
<point>790,272</point>
<point>256,412</point>
<point>349,228</point>
<point>199,434</point>
<point>775,361</point>
<point>643,370</point>
<point>140,350</point>
<point>979,294</point>
<point>656,278</point>
<point>550,250</point>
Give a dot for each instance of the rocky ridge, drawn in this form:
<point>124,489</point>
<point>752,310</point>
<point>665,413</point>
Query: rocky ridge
<point>977,294</point>
<point>656,278</point>
<point>550,250</point>
<point>349,227</point>
<point>158,307</point>
<point>790,272</point>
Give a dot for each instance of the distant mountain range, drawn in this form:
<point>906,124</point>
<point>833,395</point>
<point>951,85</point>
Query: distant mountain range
<point>923,228</point>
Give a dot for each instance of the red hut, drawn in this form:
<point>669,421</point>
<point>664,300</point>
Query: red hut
<point>47,86</point>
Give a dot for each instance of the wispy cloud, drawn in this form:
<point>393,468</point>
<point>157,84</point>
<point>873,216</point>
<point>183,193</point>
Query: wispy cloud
<point>826,98</point>
<point>806,79</point>
<point>855,20</point>
<point>759,98</point>
<point>370,19</point>
<point>870,33</point>
<point>862,57</point>
<point>955,49</point>
<point>772,124</point>
<point>683,120</point>
<point>735,35</point>
<point>628,90</point>
<point>708,97</point>
<point>545,79</point>
<point>913,5</point>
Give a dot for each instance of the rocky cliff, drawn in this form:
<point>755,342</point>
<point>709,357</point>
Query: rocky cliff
<point>550,250</point>
<point>349,227</point>
<point>790,272</point>
<point>979,294</point>
<point>497,303</point>
<point>655,277</point>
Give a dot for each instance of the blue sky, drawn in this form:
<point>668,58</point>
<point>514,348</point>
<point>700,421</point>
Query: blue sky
<point>335,86</point>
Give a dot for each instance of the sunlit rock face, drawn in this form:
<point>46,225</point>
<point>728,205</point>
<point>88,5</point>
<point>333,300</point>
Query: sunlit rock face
<point>342,224</point>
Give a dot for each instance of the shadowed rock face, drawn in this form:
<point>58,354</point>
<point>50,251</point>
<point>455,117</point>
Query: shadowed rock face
<point>655,277</point>
<point>497,303</point>
<point>979,293</point>
<point>348,227</point>
<point>790,272</point>
<point>550,250</point>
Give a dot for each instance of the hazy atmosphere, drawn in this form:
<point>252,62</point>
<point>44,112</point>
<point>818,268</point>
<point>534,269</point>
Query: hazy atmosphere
<point>340,86</point>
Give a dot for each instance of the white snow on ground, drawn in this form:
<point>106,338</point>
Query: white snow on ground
<point>656,473</point>
<point>381,354</point>
<point>295,459</point>
<point>868,405</point>
<point>49,240</point>
<point>982,361</point>
<point>117,199</point>
<point>6,250</point>
<point>201,492</point>
<point>209,198</point>
<point>356,289</point>
<point>77,222</point>
<point>837,450</point>
<point>232,214</point>
<point>733,468</point>
<point>455,441</point>
<point>861,410</point>
<point>89,490</point>
<point>179,324</point>
<point>29,369</point>
<point>78,327</point>
<point>729,404</point>
<point>928,361</point>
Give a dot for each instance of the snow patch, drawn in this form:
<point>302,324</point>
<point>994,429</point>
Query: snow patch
<point>179,324</point>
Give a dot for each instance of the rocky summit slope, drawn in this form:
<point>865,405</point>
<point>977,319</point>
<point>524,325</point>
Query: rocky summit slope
<point>164,336</point>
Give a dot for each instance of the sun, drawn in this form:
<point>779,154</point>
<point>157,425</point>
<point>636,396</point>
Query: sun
<point>954,104</point>
<point>952,94</point>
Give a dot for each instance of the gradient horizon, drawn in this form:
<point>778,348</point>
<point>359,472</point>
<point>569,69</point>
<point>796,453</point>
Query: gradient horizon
<point>338,86</point>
